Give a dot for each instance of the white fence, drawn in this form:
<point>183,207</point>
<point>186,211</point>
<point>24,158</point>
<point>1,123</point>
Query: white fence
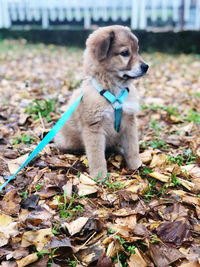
<point>138,14</point>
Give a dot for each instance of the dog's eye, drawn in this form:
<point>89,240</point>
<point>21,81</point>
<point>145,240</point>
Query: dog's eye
<point>125,53</point>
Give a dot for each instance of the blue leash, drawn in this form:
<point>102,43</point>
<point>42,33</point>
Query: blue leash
<point>113,99</point>
<point>110,97</point>
<point>47,138</point>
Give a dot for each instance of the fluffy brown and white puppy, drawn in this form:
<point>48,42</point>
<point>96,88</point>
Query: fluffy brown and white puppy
<point>112,58</point>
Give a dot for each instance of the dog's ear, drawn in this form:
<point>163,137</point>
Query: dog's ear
<point>103,46</point>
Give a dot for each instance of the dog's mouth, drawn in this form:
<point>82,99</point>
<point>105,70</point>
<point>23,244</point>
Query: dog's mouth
<point>127,77</point>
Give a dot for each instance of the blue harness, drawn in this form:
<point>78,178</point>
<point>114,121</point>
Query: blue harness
<point>115,101</point>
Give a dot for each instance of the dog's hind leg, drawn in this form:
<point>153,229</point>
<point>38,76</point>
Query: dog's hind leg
<point>94,141</point>
<point>68,140</point>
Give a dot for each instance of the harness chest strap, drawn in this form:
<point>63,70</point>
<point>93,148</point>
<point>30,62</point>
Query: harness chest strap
<point>115,101</point>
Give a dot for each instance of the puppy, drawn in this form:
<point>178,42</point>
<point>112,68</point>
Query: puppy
<point>111,62</point>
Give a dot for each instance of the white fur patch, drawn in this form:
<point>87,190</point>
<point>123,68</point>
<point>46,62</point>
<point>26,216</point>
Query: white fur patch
<point>108,113</point>
<point>127,107</point>
<point>132,73</point>
<point>131,107</point>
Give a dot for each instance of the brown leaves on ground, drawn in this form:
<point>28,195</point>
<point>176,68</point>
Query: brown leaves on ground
<point>53,213</point>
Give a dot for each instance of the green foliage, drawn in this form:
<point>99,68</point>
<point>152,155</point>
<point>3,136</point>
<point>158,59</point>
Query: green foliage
<point>151,190</point>
<point>145,171</point>
<point>68,211</point>
<point>106,182</point>
<point>111,231</point>
<point>56,229</point>
<point>155,127</point>
<point>152,107</point>
<point>23,139</point>
<point>51,254</point>
<point>197,94</point>
<point>190,157</point>
<point>156,143</point>
<point>115,186</point>
<point>193,116</point>
<point>72,263</point>
<point>178,159</point>
<point>169,109</point>
<point>121,240</point>
<point>24,194</point>
<point>154,239</point>
<point>174,180</point>
<point>186,158</point>
<point>131,249</point>
<point>78,209</point>
<point>42,108</point>
<point>38,186</point>
<point>124,252</point>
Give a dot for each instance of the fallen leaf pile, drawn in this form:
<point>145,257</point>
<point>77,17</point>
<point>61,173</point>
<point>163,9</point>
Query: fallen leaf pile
<point>53,213</point>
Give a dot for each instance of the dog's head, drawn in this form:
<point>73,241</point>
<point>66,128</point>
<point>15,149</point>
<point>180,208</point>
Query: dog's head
<point>115,49</point>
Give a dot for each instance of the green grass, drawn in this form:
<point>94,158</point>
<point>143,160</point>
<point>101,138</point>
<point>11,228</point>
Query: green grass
<point>187,157</point>
<point>124,252</point>
<point>39,186</point>
<point>70,210</point>
<point>154,239</point>
<point>174,180</point>
<point>51,254</point>
<point>153,124</point>
<point>175,159</point>
<point>155,143</point>
<point>193,116</point>
<point>197,94</point>
<point>171,110</point>
<point>111,231</point>
<point>109,184</point>
<point>24,194</point>
<point>43,108</point>
<point>23,139</point>
<point>151,190</point>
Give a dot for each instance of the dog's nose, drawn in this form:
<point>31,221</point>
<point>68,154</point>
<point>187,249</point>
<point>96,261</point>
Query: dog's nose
<point>144,67</point>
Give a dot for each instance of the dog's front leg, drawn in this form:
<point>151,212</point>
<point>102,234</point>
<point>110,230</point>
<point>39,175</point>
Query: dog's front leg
<point>130,143</point>
<point>94,141</point>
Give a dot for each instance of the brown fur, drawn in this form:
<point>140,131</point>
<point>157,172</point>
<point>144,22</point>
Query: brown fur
<point>91,126</point>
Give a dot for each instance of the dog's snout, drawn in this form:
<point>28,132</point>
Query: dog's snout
<point>144,67</point>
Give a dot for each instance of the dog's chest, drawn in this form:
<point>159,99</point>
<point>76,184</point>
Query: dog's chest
<point>128,108</point>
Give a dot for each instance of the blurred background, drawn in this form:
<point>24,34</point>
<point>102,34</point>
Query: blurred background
<point>157,23</point>
<point>138,14</point>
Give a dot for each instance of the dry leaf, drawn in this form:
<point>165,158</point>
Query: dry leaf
<point>159,176</point>
<point>86,180</point>
<point>14,164</point>
<point>146,156</point>
<point>84,190</point>
<point>10,203</point>
<point>76,226</point>
<point>136,260</point>
<point>38,238</point>
<point>158,160</point>
<point>27,260</point>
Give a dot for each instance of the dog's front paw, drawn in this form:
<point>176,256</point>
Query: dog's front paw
<point>134,164</point>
